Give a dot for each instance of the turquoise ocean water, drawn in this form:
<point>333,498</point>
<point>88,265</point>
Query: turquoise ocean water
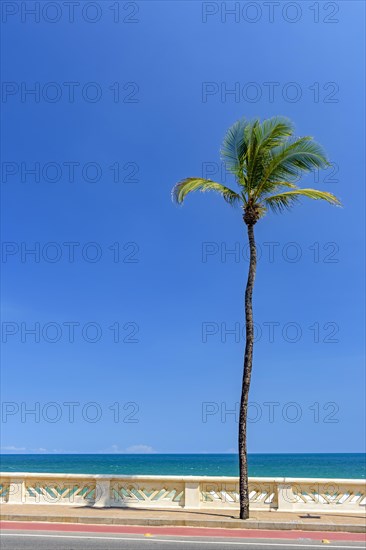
<point>346,465</point>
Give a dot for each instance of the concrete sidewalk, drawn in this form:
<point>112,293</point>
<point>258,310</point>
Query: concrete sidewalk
<point>346,522</point>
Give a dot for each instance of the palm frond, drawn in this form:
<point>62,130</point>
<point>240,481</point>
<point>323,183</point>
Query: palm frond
<point>282,201</point>
<point>272,132</point>
<point>266,136</point>
<point>188,185</point>
<point>234,147</point>
<point>251,162</point>
<point>289,160</point>
<point>270,187</point>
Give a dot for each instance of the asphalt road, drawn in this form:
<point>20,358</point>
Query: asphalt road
<point>18,540</point>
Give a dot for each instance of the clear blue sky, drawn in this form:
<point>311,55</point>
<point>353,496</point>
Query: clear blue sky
<point>170,291</point>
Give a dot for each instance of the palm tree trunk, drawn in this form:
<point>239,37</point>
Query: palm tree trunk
<point>248,360</point>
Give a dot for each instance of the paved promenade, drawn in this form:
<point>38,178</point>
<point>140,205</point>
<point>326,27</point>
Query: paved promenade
<point>345,522</point>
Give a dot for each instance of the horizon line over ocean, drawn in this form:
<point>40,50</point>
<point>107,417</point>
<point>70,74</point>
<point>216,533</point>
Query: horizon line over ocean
<point>316,465</point>
<point>156,453</point>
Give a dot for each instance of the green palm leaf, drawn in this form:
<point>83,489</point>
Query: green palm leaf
<point>234,147</point>
<point>273,132</point>
<point>286,200</point>
<point>288,161</point>
<point>188,185</point>
<point>266,136</point>
<point>302,155</point>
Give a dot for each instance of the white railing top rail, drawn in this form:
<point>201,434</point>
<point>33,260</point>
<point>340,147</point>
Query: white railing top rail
<point>225,479</point>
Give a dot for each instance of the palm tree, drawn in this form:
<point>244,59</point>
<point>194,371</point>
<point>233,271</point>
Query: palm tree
<point>266,161</point>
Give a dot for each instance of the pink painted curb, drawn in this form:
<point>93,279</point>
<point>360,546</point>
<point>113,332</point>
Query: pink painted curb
<point>182,531</point>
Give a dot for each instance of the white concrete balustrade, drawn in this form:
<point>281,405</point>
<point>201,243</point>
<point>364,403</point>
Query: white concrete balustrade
<point>187,492</point>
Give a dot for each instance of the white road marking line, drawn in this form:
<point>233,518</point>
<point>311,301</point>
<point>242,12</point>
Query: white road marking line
<point>283,545</point>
